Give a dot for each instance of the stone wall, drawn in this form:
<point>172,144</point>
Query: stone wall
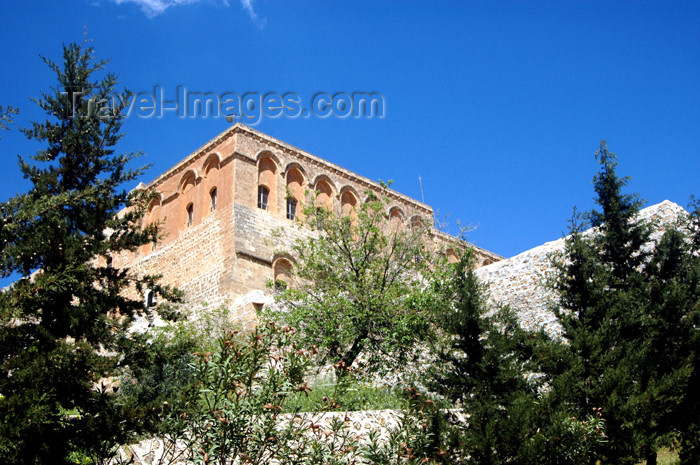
<point>521,281</point>
<point>356,424</point>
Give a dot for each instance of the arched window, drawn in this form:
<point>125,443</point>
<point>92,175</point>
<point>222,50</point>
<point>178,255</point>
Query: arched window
<point>188,193</point>
<point>211,164</point>
<point>417,224</point>
<point>348,202</point>
<point>291,208</point>
<point>282,271</point>
<point>212,197</point>
<point>296,187</point>
<point>396,219</point>
<point>263,196</point>
<point>153,208</point>
<point>267,184</point>
<point>324,195</point>
<point>451,256</point>
<point>149,219</point>
<point>190,214</point>
<point>188,181</point>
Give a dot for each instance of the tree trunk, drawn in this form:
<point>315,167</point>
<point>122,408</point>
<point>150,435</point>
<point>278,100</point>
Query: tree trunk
<point>348,359</point>
<point>650,456</point>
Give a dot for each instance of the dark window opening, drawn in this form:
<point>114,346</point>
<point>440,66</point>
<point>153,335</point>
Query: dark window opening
<point>263,195</point>
<point>150,299</point>
<point>291,209</point>
<point>190,214</point>
<point>212,194</point>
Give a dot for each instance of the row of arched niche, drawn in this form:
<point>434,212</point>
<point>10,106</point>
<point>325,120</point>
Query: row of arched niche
<point>280,186</point>
<point>199,195</point>
<point>195,204</point>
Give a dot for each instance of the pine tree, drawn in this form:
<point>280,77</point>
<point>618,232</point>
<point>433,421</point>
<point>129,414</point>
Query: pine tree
<point>63,322</point>
<point>596,322</point>
<point>676,293</point>
<point>486,366</point>
<point>622,306</point>
<point>7,116</point>
<point>481,369</point>
<point>666,344</point>
<point>622,235</point>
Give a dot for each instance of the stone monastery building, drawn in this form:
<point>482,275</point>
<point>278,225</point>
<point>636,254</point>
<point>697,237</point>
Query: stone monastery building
<point>220,206</point>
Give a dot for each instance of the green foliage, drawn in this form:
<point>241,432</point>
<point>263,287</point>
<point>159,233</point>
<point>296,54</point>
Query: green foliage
<point>7,116</point>
<point>667,457</point>
<point>684,294</point>
<point>359,293</point>
<point>485,364</point>
<point>63,323</point>
<point>416,438</point>
<point>629,316</point>
<point>469,358</point>
<point>239,408</point>
<point>349,395</point>
<point>159,374</point>
<point>564,439</point>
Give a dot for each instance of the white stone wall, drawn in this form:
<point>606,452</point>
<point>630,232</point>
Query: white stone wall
<point>521,281</point>
<point>358,424</point>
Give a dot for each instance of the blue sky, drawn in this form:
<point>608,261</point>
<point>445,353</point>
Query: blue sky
<point>497,106</point>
